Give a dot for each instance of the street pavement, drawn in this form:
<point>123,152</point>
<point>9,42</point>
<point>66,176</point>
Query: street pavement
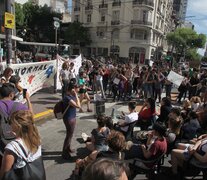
<point>53,132</point>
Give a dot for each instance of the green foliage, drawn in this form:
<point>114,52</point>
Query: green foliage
<point>186,40</point>
<point>77,34</point>
<point>204,59</point>
<point>19,16</point>
<point>193,55</point>
<point>37,20</point>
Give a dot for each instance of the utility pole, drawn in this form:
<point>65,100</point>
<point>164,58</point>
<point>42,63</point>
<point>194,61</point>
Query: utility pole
<point>8,35</point>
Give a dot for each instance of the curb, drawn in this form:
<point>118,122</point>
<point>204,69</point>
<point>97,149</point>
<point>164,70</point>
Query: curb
<point>44,115</point>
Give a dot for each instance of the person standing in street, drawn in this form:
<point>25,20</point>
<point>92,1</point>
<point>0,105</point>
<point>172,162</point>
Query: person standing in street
<point>71,101</point>
<point>64,77</point>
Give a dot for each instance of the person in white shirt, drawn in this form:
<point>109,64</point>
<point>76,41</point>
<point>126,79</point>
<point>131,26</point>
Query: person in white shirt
<point>131,117</point>
<point>27,145</point>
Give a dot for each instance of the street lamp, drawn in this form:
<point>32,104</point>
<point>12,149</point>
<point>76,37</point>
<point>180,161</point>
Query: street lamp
<point>56,24</point>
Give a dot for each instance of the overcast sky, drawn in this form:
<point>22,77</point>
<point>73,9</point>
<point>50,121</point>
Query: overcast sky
<point>198,8</point>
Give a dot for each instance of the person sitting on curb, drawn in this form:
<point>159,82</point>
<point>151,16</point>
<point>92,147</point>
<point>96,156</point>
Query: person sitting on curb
<point>116,143</point>
<point>99,136</point>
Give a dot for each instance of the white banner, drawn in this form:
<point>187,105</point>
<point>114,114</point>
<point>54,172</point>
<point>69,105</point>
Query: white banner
<point>175,78</point>
<point>77,64</point>
<point>35,76</point>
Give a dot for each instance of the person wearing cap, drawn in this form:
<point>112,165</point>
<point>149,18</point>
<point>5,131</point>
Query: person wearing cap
<point>156,143</point>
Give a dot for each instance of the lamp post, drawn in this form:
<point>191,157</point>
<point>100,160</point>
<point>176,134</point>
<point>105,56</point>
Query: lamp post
<point>56,26</point>
<point>8,34</point>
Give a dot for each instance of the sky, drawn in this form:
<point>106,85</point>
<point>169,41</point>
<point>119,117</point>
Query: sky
<point>198,8</point>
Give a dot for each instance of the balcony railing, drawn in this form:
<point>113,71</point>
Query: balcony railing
<point>90,7</point>
<point>148,23</point>
<point>76,8</point>
<point>118,3</point>
<point>103,6</point>
<point>117,22</point>
<point>147,3</point>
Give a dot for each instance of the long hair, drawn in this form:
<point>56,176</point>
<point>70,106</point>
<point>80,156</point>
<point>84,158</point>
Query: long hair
<point>23,122</point>
<point>151,101</point>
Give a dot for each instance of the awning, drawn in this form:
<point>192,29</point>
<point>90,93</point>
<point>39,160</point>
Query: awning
<point>15,38</point>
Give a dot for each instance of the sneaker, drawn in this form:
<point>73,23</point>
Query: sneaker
<point>84,136</point>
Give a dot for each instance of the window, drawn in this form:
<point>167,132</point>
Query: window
<point>139,34</point>
<point>136,14</point>
<point>145,16</point>
<point>76,18</point>
<point>102,18</point>
<point>115,15</point>
<point>115,34</point>
<point>88,18</point>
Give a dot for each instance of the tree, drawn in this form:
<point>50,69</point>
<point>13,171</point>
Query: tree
<point>37,20</point>
<point>19,16</point>
<point>186,41</point>
<point>204,59</point>
<point>192,55</point>
<point>77,34</point>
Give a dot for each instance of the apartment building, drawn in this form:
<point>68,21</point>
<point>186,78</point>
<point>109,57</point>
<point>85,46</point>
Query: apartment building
<point>180,9</point>
<point>133,29</point>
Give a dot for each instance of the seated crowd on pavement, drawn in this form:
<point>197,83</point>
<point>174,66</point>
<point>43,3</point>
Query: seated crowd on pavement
<point>163,126</point>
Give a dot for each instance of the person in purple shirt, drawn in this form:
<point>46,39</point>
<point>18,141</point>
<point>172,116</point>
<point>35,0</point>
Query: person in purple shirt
<point>7,93</point>
<point>7,106</point>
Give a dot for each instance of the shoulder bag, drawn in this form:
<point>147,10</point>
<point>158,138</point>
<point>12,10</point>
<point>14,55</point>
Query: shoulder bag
<point>31,171</point>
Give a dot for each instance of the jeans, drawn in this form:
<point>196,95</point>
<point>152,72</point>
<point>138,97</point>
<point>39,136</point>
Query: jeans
<point>168,88</point>
<point>70,127</point>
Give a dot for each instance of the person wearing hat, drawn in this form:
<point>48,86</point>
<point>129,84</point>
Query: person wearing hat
<point>156,145</point>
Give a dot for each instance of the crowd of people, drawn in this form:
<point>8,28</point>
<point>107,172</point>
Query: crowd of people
<point>180,119</point>
<point>112,143</point>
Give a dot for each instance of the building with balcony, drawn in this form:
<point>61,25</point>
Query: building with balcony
<point>180,8</point>
<point>129,29</point>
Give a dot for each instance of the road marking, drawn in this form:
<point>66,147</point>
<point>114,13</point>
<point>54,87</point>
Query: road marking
<point>39,115</point>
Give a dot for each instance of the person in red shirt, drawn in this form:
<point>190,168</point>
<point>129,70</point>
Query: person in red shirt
<point>146,113</point>
<point>155,147</point>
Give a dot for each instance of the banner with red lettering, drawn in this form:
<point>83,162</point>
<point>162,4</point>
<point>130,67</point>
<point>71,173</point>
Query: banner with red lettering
<point>35,76</point>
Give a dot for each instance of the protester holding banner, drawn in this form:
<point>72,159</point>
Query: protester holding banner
<point>64,77</point>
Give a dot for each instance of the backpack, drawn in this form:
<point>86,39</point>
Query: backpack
<point>59,110</point>
<point>5,128</point>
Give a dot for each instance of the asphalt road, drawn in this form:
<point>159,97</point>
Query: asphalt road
<point>53,134</point>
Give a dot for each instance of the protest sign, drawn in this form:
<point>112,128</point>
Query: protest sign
<point>35,76</point>
<point>175,78</point>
